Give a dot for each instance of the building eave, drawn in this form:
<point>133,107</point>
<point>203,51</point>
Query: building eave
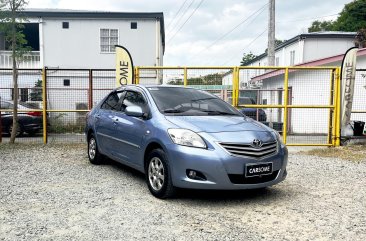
<point>314,63</point>
<point>318,35</point>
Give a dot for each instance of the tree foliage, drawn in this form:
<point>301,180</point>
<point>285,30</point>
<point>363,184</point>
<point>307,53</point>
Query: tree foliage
<point>360,40</point>
<point>36,94</point>
<point>351,19</point>
<point>11,27</point>
<point>247,58</point>
<point>319,26</point>
<point>210,79</point>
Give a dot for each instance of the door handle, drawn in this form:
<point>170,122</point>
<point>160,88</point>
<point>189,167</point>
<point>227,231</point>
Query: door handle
<point>97,116</point>
<point>115,120</point>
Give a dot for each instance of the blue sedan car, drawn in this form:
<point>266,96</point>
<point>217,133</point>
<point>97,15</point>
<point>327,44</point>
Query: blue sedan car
<point>185,138</point>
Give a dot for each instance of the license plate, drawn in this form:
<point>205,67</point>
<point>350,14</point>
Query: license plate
<point>253,170</point>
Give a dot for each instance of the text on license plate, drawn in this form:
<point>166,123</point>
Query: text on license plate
<point>252,170</point>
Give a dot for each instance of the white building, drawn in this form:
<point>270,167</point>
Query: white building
<point>86,39</point>
<point>308,47</point>
<point>68,39</point>
<point>305,87</point>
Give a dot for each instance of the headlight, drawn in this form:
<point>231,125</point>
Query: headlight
<point>186,137</point>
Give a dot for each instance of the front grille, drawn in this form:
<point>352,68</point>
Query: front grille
<point>247,150</point>
<point>241,179</point>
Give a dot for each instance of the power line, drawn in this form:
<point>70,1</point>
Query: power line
<point>182,15</point>
<point>186,20</point>
<point>248,45</point>
<point>260,10</point>
<point>176,14</point>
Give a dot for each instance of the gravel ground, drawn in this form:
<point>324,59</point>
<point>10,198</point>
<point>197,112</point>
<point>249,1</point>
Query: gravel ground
<point>53,193</point>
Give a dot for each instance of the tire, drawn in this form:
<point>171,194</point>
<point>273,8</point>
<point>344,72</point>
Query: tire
<point>158,176</point>
<point>93,153</point>
<point>32,133</point>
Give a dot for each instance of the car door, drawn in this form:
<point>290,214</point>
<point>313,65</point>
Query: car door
<point>104,122</point>
<point>129,131</point>
<point>6,116</point>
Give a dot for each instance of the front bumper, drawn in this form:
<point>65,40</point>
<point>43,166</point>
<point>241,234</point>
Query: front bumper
<point>222,170</point>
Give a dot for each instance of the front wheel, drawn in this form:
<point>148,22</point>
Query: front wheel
<point>93,153</point>
<point>158,176</point>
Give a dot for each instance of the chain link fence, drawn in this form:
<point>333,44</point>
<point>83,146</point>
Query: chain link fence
<point>300,103</point>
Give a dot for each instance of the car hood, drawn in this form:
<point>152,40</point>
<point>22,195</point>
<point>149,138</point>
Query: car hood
<point>213,124</point>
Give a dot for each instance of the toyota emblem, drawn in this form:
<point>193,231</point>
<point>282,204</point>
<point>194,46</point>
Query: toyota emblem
<point>257,143</point>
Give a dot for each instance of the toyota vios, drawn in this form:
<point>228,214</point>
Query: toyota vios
<point>186,138</point>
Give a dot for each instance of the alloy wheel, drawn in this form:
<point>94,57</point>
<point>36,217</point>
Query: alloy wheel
<point>92,148</point>
<point>156,173</point>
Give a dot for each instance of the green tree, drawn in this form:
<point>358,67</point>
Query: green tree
<point>247,58</point>
<point>360,41</point>
<point>351,19</point>
<point>36,94</point>
<point>318,26</point>
<point>11,26</point>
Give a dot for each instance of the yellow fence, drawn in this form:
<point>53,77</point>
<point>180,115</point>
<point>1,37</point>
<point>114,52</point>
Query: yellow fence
<point>301,103</point>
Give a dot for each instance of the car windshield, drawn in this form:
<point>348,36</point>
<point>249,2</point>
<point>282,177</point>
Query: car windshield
<point>189,102</point>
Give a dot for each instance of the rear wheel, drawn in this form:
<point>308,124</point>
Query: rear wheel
<point>158,176</point>
<point>93,153</point>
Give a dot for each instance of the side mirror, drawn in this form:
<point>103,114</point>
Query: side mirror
<point>135,111</point>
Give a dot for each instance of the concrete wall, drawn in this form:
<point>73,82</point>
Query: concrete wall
<point>321,48</point>
<point>79,45</point>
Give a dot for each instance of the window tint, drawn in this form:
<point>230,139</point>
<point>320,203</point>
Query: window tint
<point>190,102</point>
<point>113,101</point>
<point>134,98</point>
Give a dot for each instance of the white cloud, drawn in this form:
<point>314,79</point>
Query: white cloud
<point>213,19</point>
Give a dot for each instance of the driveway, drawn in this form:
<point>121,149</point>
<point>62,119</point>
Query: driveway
<point>52,193</point>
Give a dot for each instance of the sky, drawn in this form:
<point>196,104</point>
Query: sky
<point>215,32</point>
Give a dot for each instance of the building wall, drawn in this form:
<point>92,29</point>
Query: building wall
<point>79,45</point>
<point>283,55</point>
<point>321,48</point>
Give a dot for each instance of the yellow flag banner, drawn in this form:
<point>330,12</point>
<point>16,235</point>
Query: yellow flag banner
<point>348,85</point>
<point>124,67</point>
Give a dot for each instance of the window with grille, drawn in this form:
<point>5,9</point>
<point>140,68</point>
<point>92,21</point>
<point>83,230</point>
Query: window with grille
<point>108,40</point>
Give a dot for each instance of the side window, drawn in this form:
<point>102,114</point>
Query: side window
<point>113,101</point>
<point>134,98</point>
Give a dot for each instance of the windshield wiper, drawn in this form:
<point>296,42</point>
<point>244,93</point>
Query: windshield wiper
<point>216,112</point>
<point>173,111</point>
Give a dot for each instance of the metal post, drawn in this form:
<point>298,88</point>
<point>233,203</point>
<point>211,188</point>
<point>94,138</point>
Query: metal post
<point>137,76</point>
<point>271,33</point>
<point>235,94</point>
<point>90,91</point>
<point>44,99</point>
<point>286,108</point>
<point>338,108</point>
<point>185,81</point>
<point>1,126</point>
<point>331,117</point>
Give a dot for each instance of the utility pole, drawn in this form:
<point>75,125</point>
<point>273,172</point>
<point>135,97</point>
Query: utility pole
<point>271,33</point>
